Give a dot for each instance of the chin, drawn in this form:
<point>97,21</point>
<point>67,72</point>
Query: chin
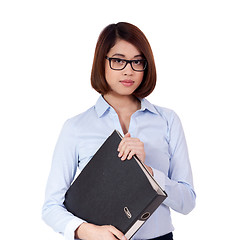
<point>126,93</point>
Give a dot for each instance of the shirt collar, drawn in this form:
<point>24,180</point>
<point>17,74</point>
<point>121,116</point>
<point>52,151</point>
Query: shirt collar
<point>146,105</point>
<point>102,106</point>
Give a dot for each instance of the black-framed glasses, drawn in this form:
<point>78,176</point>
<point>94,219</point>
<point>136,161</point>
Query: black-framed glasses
<point>118,64</point>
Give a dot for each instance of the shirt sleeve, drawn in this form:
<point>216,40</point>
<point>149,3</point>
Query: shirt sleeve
<point>178,183</point>
<point>63,170</point>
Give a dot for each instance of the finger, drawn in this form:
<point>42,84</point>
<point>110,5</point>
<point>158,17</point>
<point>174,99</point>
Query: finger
<point>135,146</point>
<point>125,154</point>
<point>126,149</point>
<point>131,154</point>
<point>126,136</point>
<point>128,142</point>
<point>122,148</point>
<point>138,151</point>
<point>117,233</point>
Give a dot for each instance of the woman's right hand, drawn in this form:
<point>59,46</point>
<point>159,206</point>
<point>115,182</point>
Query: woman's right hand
<point>88,231</point>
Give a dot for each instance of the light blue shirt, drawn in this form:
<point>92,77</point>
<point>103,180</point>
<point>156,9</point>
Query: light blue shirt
<point>166,152</point>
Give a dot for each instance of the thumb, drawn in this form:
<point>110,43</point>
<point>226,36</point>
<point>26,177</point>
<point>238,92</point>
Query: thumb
<point>127,135</point>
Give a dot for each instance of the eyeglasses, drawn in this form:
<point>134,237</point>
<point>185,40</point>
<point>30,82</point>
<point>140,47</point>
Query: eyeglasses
<point>118,64</point>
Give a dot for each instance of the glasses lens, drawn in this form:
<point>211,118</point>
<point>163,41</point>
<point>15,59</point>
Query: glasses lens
<point>139,65</point>
<point>117,63</point>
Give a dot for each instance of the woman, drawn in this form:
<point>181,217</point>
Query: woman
<point>124,73</point>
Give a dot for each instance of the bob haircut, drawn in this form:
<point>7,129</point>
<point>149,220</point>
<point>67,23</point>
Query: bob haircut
<point>107,39</point>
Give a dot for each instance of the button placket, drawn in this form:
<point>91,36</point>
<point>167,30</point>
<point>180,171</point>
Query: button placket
<point>116,122</point>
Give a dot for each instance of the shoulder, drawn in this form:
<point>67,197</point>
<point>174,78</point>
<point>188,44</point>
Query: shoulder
<point>77,122</point>
<point>172,120</point>
<point>169,116</point>
<point>166,113</point>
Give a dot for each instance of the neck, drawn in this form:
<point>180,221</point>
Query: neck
<point>123,102</point>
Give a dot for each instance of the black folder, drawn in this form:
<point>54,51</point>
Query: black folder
<point>109,191</point>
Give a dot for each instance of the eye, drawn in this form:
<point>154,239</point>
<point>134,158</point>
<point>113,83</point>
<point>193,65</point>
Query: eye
<point>137,62</point>
<point>118,61</point>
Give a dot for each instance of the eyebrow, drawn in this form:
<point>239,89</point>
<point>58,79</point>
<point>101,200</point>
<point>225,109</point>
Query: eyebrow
<point>122,55</point>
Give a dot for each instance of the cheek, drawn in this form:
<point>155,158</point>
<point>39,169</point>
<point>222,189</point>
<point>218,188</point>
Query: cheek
<point>107,72</point>
<point>140,77</point>
<point>111,76</point>
<point>108,76</point>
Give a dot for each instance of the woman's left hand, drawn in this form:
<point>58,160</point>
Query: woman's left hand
<point>132,146</point>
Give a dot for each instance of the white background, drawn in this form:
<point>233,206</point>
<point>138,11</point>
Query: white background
<point>46,52</point>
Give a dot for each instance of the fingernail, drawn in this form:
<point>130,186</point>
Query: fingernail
<point>123,238</point>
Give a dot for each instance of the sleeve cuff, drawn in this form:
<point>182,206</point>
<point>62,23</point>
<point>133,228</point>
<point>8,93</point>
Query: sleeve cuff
<point>71,227</point>
<point>159,177</point>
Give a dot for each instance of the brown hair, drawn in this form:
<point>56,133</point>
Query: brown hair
<point>106,41</point>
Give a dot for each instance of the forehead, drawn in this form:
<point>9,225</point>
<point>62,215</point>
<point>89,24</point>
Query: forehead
<point>124,49</point>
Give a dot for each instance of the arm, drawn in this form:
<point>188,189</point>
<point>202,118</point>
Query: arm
<point>63,169</point>
<point>179,182</point>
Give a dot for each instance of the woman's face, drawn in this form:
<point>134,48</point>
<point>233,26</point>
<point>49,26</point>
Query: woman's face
<point>126,81</point>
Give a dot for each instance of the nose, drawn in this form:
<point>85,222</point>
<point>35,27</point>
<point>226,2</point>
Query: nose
<point>128,69</point>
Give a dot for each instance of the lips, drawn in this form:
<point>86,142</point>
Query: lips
<point>127,83</point>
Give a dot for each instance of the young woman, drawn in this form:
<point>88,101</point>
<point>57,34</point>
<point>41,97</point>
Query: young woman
<point>124,73</point>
